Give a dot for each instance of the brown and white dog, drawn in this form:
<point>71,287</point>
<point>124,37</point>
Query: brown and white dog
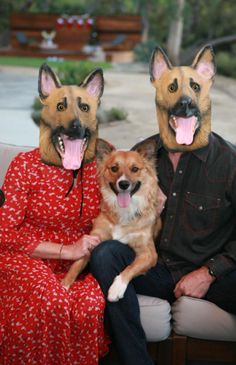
<point>129,209</point>
<point>68,126</point>
<point>182,100</point>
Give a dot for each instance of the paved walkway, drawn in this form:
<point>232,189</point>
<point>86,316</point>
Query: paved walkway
<point>129,90</point>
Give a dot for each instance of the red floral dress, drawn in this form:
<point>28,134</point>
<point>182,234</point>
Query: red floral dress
<point>41,322</point>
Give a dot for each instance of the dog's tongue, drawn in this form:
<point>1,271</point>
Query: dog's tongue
<point>185,128</point>
<point>74,153</point>
<point>123,199</point>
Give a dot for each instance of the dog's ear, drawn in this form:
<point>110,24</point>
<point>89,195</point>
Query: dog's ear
<point>204,63</point>
<point>147,149</point>
<point>159,63</point>
<point>47,82</point>
<point>103,149</point>
<point>94,83</point>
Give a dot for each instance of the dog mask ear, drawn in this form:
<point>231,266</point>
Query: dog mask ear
<point>94,83</point>
<point>103,149</point>
<point>204,63</point>
<point>159,63</point>
<point>47,81</point>
<point>147,149</point>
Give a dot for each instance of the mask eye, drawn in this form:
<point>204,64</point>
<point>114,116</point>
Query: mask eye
<point>195,86</point>
<point>134,169</point>
<point>114,168</point>
<point>84,107</point>
<point>173,86</point>
<point>61,107</point>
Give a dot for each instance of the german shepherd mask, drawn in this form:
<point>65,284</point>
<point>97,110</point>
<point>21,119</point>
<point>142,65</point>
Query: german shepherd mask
<point>68,126</point>
<point>182,99</point>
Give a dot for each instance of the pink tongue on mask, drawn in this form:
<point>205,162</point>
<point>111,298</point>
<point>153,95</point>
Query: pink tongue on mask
<point>185,129</point>
<point>74,153</point>
<point>123,199</point>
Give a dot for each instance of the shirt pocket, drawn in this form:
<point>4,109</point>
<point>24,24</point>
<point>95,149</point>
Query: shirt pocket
<point>201,213</point>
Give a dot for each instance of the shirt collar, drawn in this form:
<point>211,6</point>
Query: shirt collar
<point>201,153</point>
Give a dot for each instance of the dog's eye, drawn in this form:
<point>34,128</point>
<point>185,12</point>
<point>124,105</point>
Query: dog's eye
<point>114,168</point>
<point>195,86</point>
<point>84,107</point>
<point>134,169</point>
<point>173,87</point>
<point>61,107</point>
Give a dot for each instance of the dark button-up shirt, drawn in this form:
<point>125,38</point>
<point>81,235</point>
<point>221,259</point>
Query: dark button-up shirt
<point>200,212</point>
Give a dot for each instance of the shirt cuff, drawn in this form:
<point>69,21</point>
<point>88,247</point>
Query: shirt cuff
<point>220,265</point>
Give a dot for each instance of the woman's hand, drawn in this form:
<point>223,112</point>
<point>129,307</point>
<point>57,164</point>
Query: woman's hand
<point>82,248</point>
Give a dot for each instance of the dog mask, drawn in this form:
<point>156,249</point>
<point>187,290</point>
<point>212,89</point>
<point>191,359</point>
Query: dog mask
<point>182,99</point>
<point>68,126</point>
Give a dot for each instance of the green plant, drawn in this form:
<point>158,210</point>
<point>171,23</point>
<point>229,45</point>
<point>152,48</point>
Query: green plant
<point>74,74</point>
<point>143,51</point>
<point>111,115</point>
<point>37,108</point>
<point>116,114</point>
<point>37,105</point>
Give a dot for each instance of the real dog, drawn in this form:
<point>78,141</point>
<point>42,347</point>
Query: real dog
<point>182,100</point>
<point>129,209</point>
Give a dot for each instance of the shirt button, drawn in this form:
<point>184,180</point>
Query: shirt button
<point>171,216</point>
<point>174,194</point>
<point>200,207</point>
<point>180,172</point>
<point>165,239</point>
<point>167,260</point>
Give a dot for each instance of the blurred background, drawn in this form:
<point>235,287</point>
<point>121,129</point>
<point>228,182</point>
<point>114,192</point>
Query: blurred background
<point>75,36</point>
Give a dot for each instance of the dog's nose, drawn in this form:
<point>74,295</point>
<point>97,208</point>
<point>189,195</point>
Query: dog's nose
<point>185,101</point>
<point>124,184</point>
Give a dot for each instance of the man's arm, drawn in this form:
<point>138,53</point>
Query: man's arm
<point>197,283</point>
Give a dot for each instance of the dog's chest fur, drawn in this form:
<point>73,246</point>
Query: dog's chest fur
<point>132,222</point>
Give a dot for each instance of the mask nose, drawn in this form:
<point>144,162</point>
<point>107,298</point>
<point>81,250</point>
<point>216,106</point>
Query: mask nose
<point>185,101</point>
<point>76,130</point>
<point>123,184</point>
<point>76,124</point>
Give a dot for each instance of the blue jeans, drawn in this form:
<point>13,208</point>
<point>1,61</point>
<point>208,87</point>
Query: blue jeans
<point>107,261</point>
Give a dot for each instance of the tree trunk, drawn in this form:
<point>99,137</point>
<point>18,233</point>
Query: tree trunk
<point>175,33</point>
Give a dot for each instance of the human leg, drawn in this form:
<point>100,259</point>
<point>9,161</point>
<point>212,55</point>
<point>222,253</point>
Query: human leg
<point>222,292</point>
<point>88,340</point>
<point>36,311</point>
<point>107,261</point>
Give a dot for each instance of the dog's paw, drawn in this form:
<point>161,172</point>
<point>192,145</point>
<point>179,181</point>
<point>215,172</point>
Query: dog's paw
<point>117,289</point>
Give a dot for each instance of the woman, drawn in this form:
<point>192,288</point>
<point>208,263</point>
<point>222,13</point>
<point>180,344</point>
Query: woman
<point>51,198</point>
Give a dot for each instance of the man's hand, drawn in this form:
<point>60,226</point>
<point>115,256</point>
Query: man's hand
<point>195,284</point>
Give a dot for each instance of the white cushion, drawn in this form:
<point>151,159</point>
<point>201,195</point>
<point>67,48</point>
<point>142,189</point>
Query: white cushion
<point>7,153</point>
<point>155,318</point>
<point>199,318</point>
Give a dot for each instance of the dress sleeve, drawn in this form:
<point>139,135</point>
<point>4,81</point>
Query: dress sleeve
<point>15,233</point>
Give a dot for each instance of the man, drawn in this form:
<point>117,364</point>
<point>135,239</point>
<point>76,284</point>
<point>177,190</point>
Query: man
<point>197,173</point>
